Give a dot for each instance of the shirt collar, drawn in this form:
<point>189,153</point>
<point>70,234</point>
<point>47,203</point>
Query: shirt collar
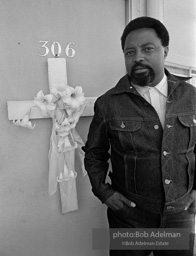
<point>124,85</point>
<point>161,87</point>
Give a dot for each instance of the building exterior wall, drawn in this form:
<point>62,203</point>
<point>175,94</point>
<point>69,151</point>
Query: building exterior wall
<point>31,222</point>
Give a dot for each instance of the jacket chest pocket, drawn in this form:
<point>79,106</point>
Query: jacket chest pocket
<point>187,131</point>
<point>129,135</point>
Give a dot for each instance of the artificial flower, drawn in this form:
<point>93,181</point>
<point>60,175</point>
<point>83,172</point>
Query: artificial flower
<point>74,98</point>
<point>24,122</point>
<point>60,115</point>
<point>65,105</point>
<point>76,114</point>
<point>45,103</point>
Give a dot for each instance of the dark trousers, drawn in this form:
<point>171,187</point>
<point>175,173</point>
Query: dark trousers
<point>138,218</point>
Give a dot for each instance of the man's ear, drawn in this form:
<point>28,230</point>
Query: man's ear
<point>166,50</point>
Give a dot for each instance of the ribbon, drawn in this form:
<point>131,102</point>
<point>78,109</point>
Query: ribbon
<point>62,167</point>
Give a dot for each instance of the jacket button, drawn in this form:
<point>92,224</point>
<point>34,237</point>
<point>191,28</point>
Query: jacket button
<point>170,208</point>
<point>167,181</point>
<point>156,127</point>
<point>165,153</point>
<point>122,125</point>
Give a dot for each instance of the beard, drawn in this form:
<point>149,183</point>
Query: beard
<point>144,78</point>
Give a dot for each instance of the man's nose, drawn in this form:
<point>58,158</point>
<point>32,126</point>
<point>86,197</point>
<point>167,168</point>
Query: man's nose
<point>138,57</point>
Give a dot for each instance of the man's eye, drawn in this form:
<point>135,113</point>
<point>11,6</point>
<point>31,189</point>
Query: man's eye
<point>129,53</point>
<point>148,49</point>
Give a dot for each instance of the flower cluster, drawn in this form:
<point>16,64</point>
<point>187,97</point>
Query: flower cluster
<point>64,104</point>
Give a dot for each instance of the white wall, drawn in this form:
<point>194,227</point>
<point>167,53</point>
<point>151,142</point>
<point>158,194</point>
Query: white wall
<point>180,19</point>
<point>31,223</point>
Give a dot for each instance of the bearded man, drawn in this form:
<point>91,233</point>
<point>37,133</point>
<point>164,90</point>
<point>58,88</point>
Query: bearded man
<point>146,125</point>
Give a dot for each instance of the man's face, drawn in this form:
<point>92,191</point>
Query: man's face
<point>144,57</point>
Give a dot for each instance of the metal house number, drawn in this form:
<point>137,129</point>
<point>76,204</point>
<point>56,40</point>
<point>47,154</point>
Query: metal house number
<point>56,49</point>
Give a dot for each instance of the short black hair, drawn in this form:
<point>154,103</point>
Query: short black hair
<point>146,22</point>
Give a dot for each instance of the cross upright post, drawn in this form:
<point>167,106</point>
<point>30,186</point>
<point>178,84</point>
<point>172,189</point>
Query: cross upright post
<point>62,144</point>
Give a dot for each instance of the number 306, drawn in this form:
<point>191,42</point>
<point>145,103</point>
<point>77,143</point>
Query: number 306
<point>56,49</point>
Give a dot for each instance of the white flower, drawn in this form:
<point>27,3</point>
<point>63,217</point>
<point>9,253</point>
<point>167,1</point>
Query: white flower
<point>24,122</point>
<point>45,103</point>
<point>76,115</point>
<point>73,98</point>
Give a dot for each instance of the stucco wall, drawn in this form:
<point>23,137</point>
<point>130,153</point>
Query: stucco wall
<point>31,223</point>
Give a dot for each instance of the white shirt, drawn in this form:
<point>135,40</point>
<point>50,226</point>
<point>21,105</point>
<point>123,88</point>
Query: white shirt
<point>156,96</point>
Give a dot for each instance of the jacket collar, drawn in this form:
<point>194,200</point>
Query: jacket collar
<point>124,85</point>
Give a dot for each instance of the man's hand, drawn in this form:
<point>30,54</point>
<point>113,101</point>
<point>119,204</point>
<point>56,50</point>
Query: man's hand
<point>191,204</point>
<point>117,201</point>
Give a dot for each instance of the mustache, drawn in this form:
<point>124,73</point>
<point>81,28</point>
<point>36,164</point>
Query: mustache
<point>140,65</point>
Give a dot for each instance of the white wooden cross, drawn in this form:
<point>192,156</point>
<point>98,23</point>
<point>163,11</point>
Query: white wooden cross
<point>57,73</point>
<point>17,109</point>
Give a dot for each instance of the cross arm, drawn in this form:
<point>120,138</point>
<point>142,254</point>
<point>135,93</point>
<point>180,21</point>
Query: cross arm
<point>18,109</point>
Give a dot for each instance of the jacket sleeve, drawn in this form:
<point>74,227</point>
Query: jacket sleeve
<point>97,155</point>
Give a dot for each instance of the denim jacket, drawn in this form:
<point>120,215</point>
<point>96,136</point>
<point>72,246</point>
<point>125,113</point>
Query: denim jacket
<point>152,166</point>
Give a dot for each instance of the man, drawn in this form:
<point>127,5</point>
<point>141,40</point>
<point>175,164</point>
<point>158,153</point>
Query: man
<point>146,124</point>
